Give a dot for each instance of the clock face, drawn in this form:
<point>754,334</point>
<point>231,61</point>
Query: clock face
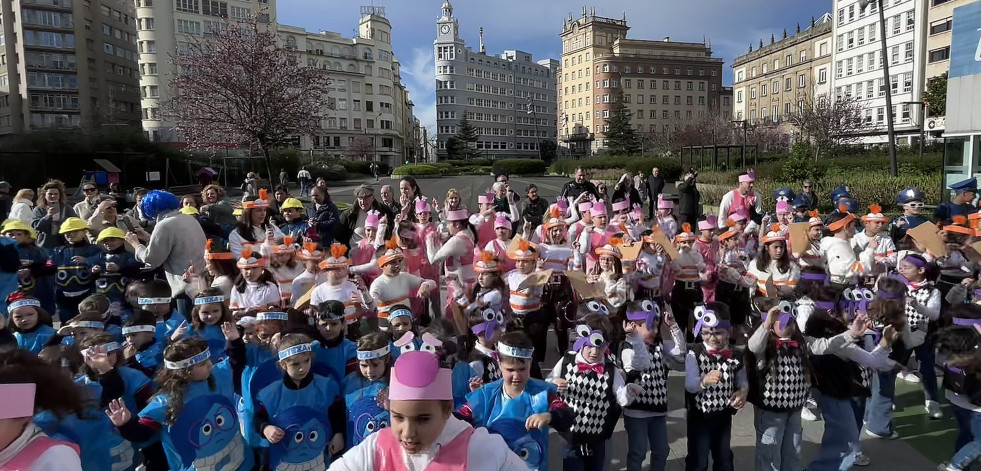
<point>445,29</point>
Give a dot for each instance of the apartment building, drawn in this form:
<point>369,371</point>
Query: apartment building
<point>664,83</point>
<point>939,21</point>
<point>66,64</point>
<point>509,98</point>
<point>857,62</point>
<point>777,80</point>
<point>367,97</point>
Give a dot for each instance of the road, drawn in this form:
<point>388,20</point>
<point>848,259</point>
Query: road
<point>923,442</point>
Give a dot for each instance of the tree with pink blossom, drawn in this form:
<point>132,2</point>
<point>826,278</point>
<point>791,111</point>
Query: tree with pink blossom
<point>240,86</point>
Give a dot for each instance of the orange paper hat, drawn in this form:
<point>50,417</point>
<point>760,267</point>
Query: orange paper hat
<point>728,234</point>
<point>875,214</point>
<point>815,219</point>
<point>262,202</point>
<point>486,263</point>
<point>337,258</point>
<point>554,219</point>
<point>310,251</point>
<point>686,234</point>
<point>774,235</point>
<point>392,252</point>
<point>212,255</point>
<point>250,259</point>
<point>959,225</point>
<point>525,251</point>
<point>286,247</point>
<point>843,222</point>
<point>611,249</point>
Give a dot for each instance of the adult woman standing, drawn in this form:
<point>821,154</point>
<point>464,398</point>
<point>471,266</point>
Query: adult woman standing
<point>409,192</point>
<point>23,207</point>
<point>216,206</point>
<point>52,209</point>
<point>255,226</point>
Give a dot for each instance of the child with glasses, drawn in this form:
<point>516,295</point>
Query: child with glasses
<point>911,200</point>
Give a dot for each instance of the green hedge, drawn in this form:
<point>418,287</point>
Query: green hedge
<point>670,168</point>
<point>519,166</point>
<point>417,170</point>
<point>329,172</point>
<point>470,163</point>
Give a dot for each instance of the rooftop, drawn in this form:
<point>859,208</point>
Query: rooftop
<point>819,27</point>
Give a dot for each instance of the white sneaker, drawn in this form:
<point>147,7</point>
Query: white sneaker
<point>946,467</point>
<point>808,415</point>
<point>894,435</point>
<point>933,410</point>
<point>862,460</point>
<point>909,377</point>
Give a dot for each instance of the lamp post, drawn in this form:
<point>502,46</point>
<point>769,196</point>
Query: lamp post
<point>534,117</point>
<point>922,120</point>
<point>862,4</point>
<point>743,123</point>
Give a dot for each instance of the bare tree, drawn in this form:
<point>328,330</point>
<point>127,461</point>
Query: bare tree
<point>362,148</point>
<point>709,130</point>
<point>830,123</point>
<point>239,86</point>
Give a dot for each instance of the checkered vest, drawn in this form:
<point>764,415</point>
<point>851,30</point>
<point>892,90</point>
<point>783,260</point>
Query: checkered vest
<point>654,380</point>
<point>593,399</point>
<point>916,320</point>
<point>714,398</point>
<point>492,372</point>
<point>784,389</point>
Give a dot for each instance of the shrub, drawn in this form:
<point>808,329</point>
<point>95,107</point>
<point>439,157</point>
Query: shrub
<point>417,170</point>
<point>519,166</point>
<point>328,171</point>
<point>670,168</point>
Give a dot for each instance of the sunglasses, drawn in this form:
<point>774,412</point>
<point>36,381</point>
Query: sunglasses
<point>806,187</point>
<point>915,205</point>
<point>89,190</point>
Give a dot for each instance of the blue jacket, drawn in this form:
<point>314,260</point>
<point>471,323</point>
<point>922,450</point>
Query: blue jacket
<point>507,418</point>
<point>364,417</point>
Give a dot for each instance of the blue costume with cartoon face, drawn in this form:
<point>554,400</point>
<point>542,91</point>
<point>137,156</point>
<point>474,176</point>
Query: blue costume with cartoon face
<point>508,418</point>
<point>306,435</point>
<point>152,357</point>
<point>76,279</point>
<point>34,340</point>
<point>333,361</point>
<point>215,339</point>
<point>364,417</point>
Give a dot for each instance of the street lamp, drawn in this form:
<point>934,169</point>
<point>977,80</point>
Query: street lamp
<point>743,123</point>
<point>862,4</point>
<point>534,117</point>
<point>922,120</point>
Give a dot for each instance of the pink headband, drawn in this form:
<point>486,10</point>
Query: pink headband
<point>664,204</point>
<point>18,400</point>
<point>371,220</point>
<point>417,376</point>
<point>599,208</point>
<point>621,205</point>
<point>486,198</point>
<point>457,215</point>
<point>706,225</point>
<point>502,221</point>
<point>749,177</point>
<point>737,216</point>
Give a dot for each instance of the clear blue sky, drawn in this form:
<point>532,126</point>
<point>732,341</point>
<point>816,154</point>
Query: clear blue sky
<point>534,25</point>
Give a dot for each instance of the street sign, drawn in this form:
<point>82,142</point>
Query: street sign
<point>965,43</point>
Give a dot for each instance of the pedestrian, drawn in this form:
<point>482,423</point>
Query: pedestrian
<point>773,265</point>
<point>51,211</point>
<point>534,208</point>
<point>350,229</point>
<point>743,199</point>
<point>87,206</point>
<point>23,207</point>
<point>579,184</point>
<point>388,199</point>
<point>689,201</point>
<point>641,187</point>
<point>911,200</point>
<point>303,176</point>
<point>374,170</point>
<point>5,200</point>
<point>250,186</point>
<point>284,178</point>
<point>655,186</point>
<point>322,215</point>
<point>136,214</point>
<point>456,255</point>
<point>808,196</point>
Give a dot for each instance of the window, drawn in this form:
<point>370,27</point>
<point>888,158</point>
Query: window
<point>823,75</point>
<point>803,56</point>
<point>822,49</point>
<point>739,96</point>
<point>188,27</point>
<point>148,24</point>
<point>908,82</point>
<point>849,63</point>
<point>938,55</point>
<point>894,84</point>
<point>764,69</point>
<point>894,56</point>
<point>763,90</point>
<point>859,64</point>
<point>872,31</point>
<point>909,21</point>
<point>870,89</point>
<point>896,26</point>
<point>839,69</point>
<point>240,13</point>
<point>801,81</point>
<point>689,86</point>
<point>677,99</point>
<point>788,60</point>
<point>677,84</point>
<point>906,113</point>
<point>840,40</point>
<point>850,41</point>
<point>689,101</point>
<point>861,36</point>
<point>188,5</point>
<point>215,8</point>
<point>752,93</point>
<point>941,26</point>
<point>908,52</point>
<point>871,60</point>
<point>789,84</point>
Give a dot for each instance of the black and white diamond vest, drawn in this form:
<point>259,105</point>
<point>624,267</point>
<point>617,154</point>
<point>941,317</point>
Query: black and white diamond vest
<point>593,399</point>
<point>654,380</point>
<point>492,372</point>
<point>785,389</point>
<point>715,398</point>
<point>916,320</point>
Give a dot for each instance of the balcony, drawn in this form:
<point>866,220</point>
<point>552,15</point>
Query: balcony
<point>579,136</point>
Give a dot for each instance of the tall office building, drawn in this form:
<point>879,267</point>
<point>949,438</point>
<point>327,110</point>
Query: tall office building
<point>66,64</point>
<point>509,98</point>
<point>939,21</point>
<point>777,80</point>
<point>857,62</point>
<point>664,83</point>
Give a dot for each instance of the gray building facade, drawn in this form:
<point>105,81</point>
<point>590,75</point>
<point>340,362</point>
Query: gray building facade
<point>510,98</point>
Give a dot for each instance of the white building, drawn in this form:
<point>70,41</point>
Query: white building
<point>495,92</point>
<point>857,63</point>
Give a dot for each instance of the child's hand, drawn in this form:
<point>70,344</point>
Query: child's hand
<point>118,413</point>
<point>738,399</point>
<point>179,332</point>
<point>475,383</point>
<point>634,390</point>
<point>337,444</point>
<point>129,351</point>
<point>230,332</point>
<point>112,267</point>
<point>669,317</point>
<point>859,326</point>
<point>381,398</point>
<point>98,359</point>
<point>78,259</point>
<point>538,421</point>
<point>274,434</point>
<point>771,317</point>
<point>561,384</point>
<point>889,334</point>
<point>96,269</point>
<point>711,378</point>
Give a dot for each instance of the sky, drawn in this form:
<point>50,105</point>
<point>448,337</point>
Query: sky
<point>533,26</point>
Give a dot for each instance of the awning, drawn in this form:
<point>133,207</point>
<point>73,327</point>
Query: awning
<point>107,165</point>
<point>207,170</point>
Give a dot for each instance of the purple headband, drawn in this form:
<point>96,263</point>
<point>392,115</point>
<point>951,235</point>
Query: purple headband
<point>492,322</point>
<point>889,296</point>
<point>648,312</point>
<point>814,276</point>
<point>826,305</point>
<point>589,338</point>
<point>966,322</point>
<point>708,318</point>
<point>919,262</point>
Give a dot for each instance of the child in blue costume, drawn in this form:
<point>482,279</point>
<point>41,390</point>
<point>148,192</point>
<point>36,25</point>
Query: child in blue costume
<point>98,440</point>
<point>208,315</point>
<point>78,328</point>
<point>257,360</point>
<point>74,260</point>
<point>193,412</point>
<point>29,322</point>
<point>442,330</point>
<point>363,388</point>
<point>290,414</point>
<point>401,321</point>
<point>141,349</point>
<point>116,268</point>
<point>137,388</point>
<point>517,407</point>
<point>98,303</point>
<point>336,352</point>
<point>154,296</point>
<point>40,283</point>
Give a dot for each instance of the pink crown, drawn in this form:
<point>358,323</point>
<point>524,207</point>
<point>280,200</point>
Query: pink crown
<point>706,225</point>
<point>587,206</point>
<point>621,205</point>
<point>783,207</point>
<point>486,198</point>
<point>562,204</point>
<point>371,220</point>
<point>417,376</point>
<point>502,221</point>
<point>422,206</point>
<point>599,208</point>
<point>664,204</point>
<point>457,215</point>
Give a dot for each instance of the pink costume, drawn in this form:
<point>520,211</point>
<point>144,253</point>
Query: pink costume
<point>416,261</point>
<point>363,254</point>
<point>499,247</point>
<point>457,255</point>
<point>484,224</point>
<point>710,253</point>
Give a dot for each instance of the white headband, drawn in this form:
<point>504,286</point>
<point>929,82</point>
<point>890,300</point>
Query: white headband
<point>22,303</point>
<point>89,324</point>
<point>180,365</point>
<point>295,350</point>
<point>149,301</point>
<point>110,347</point>
<point>514,352</point>
<point>372,354</point>
<point>133,329</point>
<point>272,316</point>
<point>209,300</point>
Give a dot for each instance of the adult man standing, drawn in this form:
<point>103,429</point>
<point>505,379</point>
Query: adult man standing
<point>689,202</point>
<point>389,200</point>
<point>580,184</point>
<point>744,199</point>
<point>350,230</point>
<point>655,186</point>
<point>322,215</point>
<point>962,204</point>
<point>303,176</point>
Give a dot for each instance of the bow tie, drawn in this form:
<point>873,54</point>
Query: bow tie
<point>495,356</point>
<point>726,353</point>
<point>788,343</point>
<point>586,367</point>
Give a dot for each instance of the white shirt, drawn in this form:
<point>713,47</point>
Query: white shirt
<point>391,291</point>
<point>255,296</point>
<point>56,458</point>
<point>346,292</point>
<point>305,281</point>
<point>235,240</point>
<point>839,257</point>
<point>884,253</point>
<point>486,452</point>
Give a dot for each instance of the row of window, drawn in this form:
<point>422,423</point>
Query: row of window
<point>47,18</point>
<point>788,85</point>
<point>875,88</point>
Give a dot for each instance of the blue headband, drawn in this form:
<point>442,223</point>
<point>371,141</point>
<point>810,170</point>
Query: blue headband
<point>400,313</point>
<point>966,322</point>
<point>296,350</point>
<point>149,301</point>
<point>180,365</point>
<point>208,300</point>
<point>514,352</point>
<point>22,303</point>
<point>272,316</point>
<point>372,354</point>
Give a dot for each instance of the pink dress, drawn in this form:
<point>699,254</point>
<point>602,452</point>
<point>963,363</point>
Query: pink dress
<point>452,457</point>
<point>485,231</point>
<point>710,252</point>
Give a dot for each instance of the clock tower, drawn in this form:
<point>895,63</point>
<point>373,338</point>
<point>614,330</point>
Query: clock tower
<point>447,28</point>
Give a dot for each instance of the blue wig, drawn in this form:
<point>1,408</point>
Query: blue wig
<point>158,202</point>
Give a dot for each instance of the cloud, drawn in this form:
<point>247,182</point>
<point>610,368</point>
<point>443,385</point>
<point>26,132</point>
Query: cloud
<point>417,75</point>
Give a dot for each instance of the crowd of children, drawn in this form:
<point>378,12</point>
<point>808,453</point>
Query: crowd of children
<point>297,356</point>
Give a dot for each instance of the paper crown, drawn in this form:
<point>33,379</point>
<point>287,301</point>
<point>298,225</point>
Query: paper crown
<point>875,214</point>
<point>457,215</point>
<point>392,252</point>
<point>211,255</point>
<point>422,205</point>
<point>664,204</point>
<point>311,252</point>
<point>774,235</point>
<point>417,376</point>
<point>750,176</point>
<point>686,235</point>
<point>585,206</point>
<point>486,262</point>
<point>708,224</point>
<point>524,251</point>
<point>502,221</point>
<point>598,208</point>
<point>337,258</point>
<point>554,219</point>
<point>371,220</point>
<point>286,247</point>
<point>815,219</point>
<point>783,207</point>
<point>250,259</point>
<point>562,204</point>
<point>486,198</point>
<point>621,206</point>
